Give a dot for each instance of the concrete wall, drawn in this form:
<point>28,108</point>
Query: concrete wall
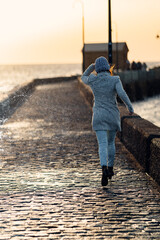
<point>141,84</point>
<point>141,137</point>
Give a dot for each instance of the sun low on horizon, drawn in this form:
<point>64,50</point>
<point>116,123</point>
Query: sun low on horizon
<point>50,31</point>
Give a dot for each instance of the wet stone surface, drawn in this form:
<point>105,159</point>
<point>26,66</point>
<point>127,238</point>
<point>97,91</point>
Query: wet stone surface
<point>50,177</point>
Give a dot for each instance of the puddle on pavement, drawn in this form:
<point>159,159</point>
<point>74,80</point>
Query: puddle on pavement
<point>22,124</point>
<point>49,180</point>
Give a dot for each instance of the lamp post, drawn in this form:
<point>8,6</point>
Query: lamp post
<point>116,32</point>
<point>110,33</point>
<point>83,52</point>
<point>83,39</point>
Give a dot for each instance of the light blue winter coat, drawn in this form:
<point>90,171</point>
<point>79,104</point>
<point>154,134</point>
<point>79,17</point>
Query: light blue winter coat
<point>105,88</point>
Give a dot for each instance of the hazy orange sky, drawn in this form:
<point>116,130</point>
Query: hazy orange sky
<point>50,31</point>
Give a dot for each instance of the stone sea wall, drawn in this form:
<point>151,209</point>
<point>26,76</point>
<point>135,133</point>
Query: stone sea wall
<point>141,84</point>
<point>141,137</point>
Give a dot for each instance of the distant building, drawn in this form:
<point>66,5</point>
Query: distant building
<point>94,50</point>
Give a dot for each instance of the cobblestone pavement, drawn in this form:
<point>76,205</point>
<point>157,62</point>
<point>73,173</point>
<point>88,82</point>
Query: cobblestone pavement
<point>50,178</point>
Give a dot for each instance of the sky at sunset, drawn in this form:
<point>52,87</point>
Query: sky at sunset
<point>50,31</point>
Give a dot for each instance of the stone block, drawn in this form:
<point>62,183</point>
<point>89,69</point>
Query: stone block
<point>154,170</point>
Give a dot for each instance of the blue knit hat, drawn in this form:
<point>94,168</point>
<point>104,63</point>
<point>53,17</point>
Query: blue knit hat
<point>101,64</point>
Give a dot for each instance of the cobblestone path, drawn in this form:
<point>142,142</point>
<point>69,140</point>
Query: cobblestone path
<point>50,177</point>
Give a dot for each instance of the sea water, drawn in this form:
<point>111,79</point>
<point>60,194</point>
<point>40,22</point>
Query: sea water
<point>12,76</point>
<point>149,109</point>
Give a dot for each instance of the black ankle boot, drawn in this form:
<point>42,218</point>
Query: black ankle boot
<point>110,172</point>
<point>104,180</point>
